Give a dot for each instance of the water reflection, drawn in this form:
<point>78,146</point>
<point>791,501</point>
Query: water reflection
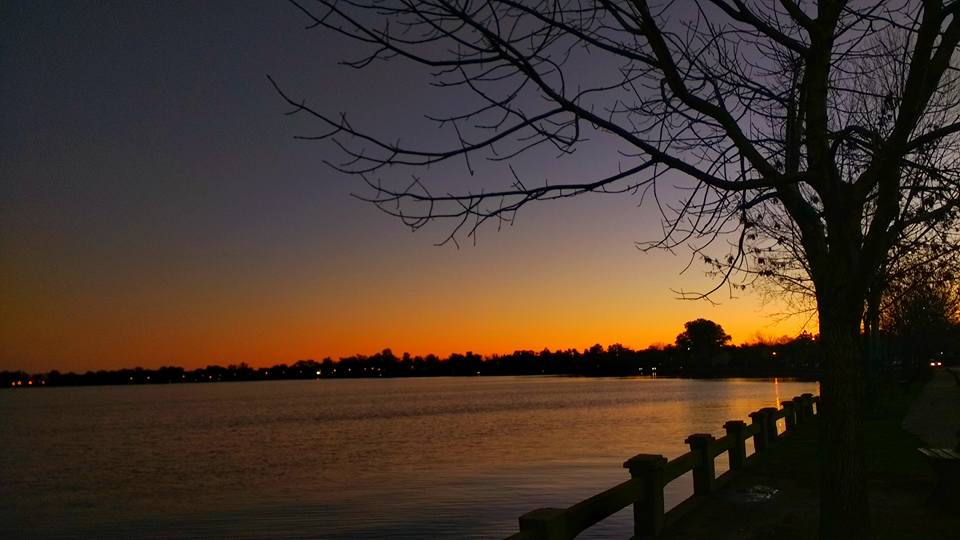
<point>441,457</point>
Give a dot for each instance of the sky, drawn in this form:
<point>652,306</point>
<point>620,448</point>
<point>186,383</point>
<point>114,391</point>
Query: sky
<point>155,209</point>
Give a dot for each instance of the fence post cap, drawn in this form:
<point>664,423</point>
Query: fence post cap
<point>645,462</point>
<point>734,425</point>
<point>806,396</point>
<point>787,404</point>
<point>699,440</point>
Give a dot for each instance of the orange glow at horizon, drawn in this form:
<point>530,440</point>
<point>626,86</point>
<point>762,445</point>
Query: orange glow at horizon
<point>262,346</point>
<point>515,292</point>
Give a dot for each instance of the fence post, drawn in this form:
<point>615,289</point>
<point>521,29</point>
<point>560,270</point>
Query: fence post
<point>800,410</point>
<point>647,469</point>
<point>738,445</point>
<point>790,415</point>
<point>704,471</point>
<point>807,407</point>
<point>544,524</point>
<point>771,422</point>
<point>759,420</point>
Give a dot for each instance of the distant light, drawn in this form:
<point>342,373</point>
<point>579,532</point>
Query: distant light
<point>318,372</point>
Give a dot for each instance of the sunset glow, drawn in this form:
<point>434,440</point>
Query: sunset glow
<point>130,239</point>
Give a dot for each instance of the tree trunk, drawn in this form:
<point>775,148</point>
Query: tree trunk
<point>844,511</point>
<point>871,345</point>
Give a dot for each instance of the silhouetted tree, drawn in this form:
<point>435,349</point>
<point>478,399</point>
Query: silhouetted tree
<point>782,358</point>
<point>923,315</point>
<point>701,340</point>
<point>842,119</point>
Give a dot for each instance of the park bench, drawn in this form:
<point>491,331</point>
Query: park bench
<point>946,464</point>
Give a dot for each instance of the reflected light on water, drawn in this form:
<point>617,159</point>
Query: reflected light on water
<point>369,458</point>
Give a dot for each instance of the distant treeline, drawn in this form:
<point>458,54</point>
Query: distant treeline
<point>792,358</point>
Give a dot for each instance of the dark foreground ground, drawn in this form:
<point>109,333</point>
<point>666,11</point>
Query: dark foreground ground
<point>900,481</point>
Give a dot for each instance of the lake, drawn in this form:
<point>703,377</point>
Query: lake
<point>362,458</point>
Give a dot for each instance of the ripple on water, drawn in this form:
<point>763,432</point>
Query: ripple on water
<point>400,458</point>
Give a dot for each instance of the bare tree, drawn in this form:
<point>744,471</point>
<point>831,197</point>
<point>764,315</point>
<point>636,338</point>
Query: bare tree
<point>930,257</point>
<point>837,119</point>
<point>924,253</point>
<point>920,310</point>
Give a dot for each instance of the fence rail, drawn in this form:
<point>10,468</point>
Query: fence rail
<point>649,473</point>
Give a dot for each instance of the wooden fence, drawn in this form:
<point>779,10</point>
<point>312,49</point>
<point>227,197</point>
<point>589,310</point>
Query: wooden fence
<point>649,473</point>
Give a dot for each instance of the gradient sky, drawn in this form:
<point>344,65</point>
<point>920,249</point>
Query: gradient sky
<point>155,210</point>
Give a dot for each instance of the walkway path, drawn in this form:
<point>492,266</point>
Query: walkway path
<point>934,417</point>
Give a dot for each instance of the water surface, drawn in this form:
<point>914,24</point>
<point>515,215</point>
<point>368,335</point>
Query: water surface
<point>361,458</point>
